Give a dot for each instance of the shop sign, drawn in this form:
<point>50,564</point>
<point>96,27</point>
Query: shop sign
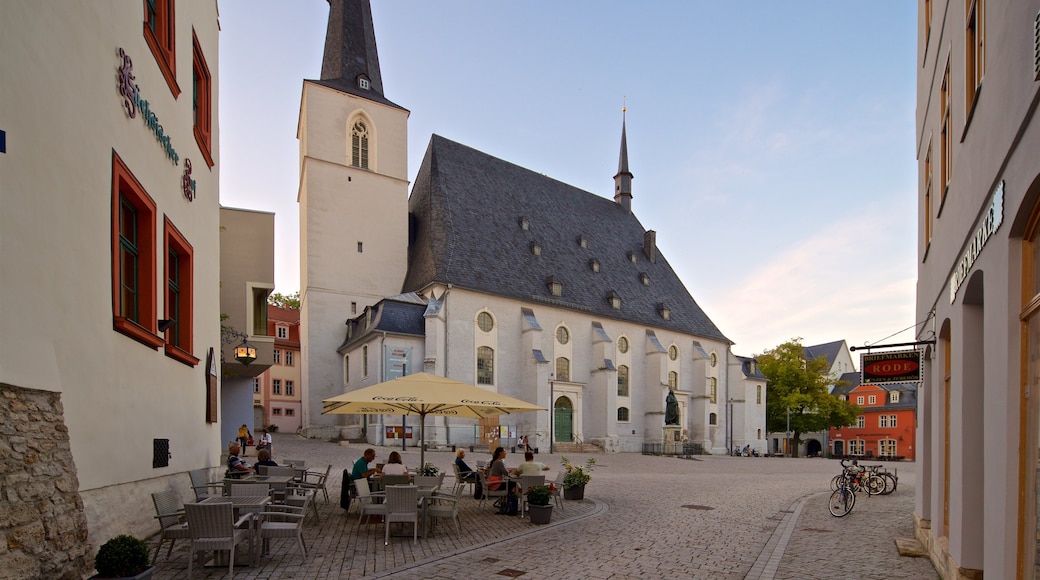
<point>889,368</point>
<point>134,103</point>
<point>990,222</point>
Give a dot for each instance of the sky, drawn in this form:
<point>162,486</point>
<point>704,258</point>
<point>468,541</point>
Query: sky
<point>772,143</point>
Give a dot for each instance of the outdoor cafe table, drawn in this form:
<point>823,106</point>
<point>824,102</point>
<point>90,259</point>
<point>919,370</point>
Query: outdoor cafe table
<point>274,482</point>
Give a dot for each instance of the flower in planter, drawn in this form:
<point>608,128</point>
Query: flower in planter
<point>577,475</point>
<point>539,495</point>
<point>429,469</point>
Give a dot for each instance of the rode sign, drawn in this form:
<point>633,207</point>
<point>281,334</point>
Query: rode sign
<point>891,367</point>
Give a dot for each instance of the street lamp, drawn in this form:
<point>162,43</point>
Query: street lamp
<point>551,397</point>
<point>787,434</point>
<point>245,353</point>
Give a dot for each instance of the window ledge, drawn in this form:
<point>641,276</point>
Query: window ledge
<point>180,355</point>
<point>203,146</point>
<point>164,59</point>
<point>137,332</point>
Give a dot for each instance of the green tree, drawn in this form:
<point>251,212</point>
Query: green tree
<point>802,388</point>
<point>290,301</point>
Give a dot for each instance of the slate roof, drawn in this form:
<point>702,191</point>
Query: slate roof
<point>907,392</point>
<point>750,370</point>
<point>829,351</point>
<point>465,212</point>
<point>400,315</point>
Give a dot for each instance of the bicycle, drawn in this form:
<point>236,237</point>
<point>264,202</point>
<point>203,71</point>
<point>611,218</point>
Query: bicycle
<point>843,498</point>
<point>862,478</point>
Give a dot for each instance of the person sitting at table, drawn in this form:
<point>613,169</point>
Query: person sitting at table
<point>465,471</point>
<point>530,466</point>
<point>361,470</point>
<point>394,466</point>
<point>498,472</point>
<point>237,467</point>
<point>264,458</point>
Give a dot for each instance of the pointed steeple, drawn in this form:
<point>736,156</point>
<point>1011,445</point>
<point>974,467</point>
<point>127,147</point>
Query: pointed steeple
<point>623,179</point>
<point>350,46</point>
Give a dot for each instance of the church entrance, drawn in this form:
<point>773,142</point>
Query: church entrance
<point>563,420</point>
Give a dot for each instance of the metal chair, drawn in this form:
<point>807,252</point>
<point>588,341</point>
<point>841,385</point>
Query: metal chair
<point>442,505</point>
<point>402,503</point>
<point>526,483</point>
<point>502,491</point>
<point>203,487</point>
<point>171,521</point>
<point>212,527</point>
<point>366,501</point>
<point>281,521</point>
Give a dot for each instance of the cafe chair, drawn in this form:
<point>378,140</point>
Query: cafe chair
<point>557,493</point>
<point>203,487</point>
<point>212,527</point>
<point>303,499</point>
<point>461,481</point>
<point>281,521</point>
<point>428,482</point>
<point>402,503</point>
<point>389,480</point>
<point>443,505</point>
<point>526,483</point>
<point>316,480</point>
<point>367,505</point>
<point>501,492</point>
<point>171,521</point>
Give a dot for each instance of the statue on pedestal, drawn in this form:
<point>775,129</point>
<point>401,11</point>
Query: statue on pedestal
<point>671,409</point>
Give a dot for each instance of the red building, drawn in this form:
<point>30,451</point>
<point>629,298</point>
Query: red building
<point>885,427</point>
<point>278,392</point>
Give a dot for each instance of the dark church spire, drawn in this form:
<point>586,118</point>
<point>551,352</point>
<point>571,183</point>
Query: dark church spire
<point>350,46</point>
<point>623,179</point>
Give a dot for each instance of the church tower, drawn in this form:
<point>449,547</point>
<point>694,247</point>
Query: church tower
<point>623,179</point>
<point>353,202</point>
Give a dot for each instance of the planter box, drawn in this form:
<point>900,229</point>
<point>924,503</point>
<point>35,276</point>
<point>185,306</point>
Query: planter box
<point>576,492</point>
<point>142,576</point>
<point>540,514</point>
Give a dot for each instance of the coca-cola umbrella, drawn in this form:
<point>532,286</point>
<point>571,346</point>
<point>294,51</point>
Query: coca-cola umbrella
<point>425,394</point>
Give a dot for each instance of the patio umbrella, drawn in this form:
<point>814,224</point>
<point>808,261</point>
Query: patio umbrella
<point>425,394</point>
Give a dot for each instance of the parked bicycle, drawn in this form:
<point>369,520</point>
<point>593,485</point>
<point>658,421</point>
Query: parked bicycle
<point>843,498</point>
<point>864,478</point>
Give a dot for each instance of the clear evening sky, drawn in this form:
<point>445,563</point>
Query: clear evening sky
<point>772,143</point>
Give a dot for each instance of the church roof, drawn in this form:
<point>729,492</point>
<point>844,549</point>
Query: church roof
<point>468,212</point>
<point>401,315</point>
<point>350,52</point>
<point>829,351</point>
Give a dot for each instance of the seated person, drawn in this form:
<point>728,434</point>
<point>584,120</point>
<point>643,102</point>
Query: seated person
<point>465,471</point>
<point>530,466</point>
<point>361,470</point>
<point>394,466</point>
<point>237,467</point>
<point>264,458</point>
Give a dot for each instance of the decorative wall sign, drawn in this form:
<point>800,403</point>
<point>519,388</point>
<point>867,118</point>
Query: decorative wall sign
<point>187,183</point>
<point>133,103</point>
<point>990,222</point>
<point>888,368</point>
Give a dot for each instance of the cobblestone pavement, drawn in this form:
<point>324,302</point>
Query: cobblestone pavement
<point>711,517</point>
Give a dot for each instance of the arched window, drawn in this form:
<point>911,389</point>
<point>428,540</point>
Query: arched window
<point>563,369</point>
<point>713,390</point>
<point>485,365</point>
<point>622,381</point>
<point>759,434</point>
<point>673,380</point>
<point>359,144</point>
<point>713,419</point>
<point>622,414</point>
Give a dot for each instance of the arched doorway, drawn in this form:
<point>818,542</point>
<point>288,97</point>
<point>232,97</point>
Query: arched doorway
<point>813,448</point>
<point>563,420</point>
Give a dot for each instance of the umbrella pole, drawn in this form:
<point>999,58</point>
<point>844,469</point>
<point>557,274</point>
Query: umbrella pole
<point>422,441</point>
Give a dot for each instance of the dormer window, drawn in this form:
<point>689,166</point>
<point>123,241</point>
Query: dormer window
<point>594,265</point>
<point>615,300</point>
<point>644,278</point>
<point>555,286</point>
<point>525,224</point>
<point>362,83</point>
<point>536,248</point>
<point>664,311</point>
<point>583,241</point>
<point>632,257</point>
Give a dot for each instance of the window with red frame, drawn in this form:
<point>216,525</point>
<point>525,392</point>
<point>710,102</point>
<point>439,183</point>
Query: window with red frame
<point>133,257</point>
<point>201,100</point>
<point>159,34</point>
<point>180,258</point>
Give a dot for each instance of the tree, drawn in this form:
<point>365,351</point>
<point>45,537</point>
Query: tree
<point>802,388</point>
<point>289,301</point>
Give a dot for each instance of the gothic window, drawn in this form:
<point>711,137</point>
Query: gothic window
<point>622,381</point>
<point>485,365</point>
<point>563,369</point>
<point>359,145</point>
<point>673,380</point>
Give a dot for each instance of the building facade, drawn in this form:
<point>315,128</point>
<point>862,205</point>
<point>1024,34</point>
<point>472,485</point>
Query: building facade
<point>977,145</point>
<point>886,427</point>
<point>109,269</point>
<point>548,293</point>
<point>278,391</point>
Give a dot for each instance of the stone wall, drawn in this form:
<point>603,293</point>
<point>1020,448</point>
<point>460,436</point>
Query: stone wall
<point>43,528</point>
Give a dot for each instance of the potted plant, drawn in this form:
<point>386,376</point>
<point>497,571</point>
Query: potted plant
<point>429,469</point>
<point>576,477</point>
<point>123,557</point>
<point>538,502</point>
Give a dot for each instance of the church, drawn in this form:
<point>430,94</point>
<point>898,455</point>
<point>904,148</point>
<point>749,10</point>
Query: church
<point>495,275</point>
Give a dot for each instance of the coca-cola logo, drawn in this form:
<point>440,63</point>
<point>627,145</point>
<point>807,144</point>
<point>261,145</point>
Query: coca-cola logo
<point>405,399</point>
<point>481,403</point>
<point>377,410</point>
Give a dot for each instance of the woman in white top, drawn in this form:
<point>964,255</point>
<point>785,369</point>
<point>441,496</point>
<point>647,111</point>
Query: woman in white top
<point>394,466</point>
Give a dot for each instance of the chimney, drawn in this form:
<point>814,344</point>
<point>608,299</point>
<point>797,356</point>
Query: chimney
<point>650,246</point>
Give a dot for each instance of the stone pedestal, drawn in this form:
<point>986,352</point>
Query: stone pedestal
<point>673,437</point>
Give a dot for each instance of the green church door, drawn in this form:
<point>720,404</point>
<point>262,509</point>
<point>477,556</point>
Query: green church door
<point>563,422</point>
